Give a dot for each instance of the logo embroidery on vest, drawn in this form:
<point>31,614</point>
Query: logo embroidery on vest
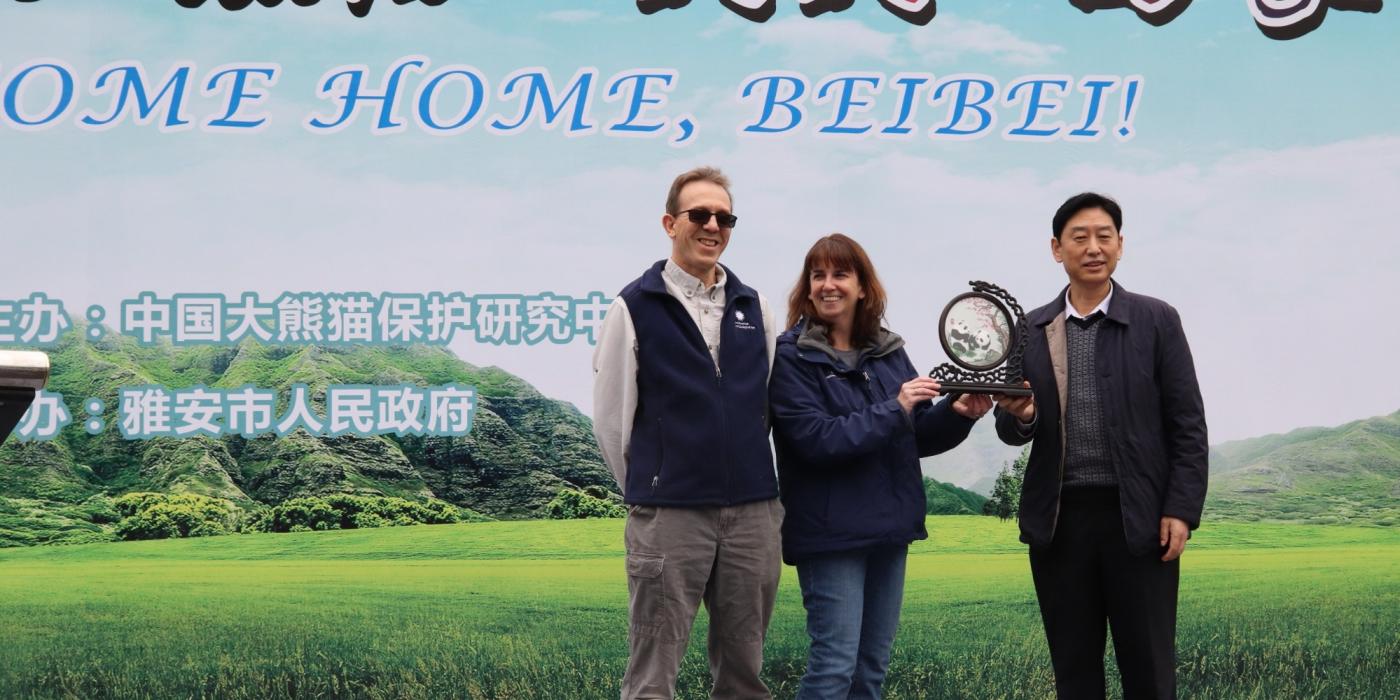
<point>741,323</point>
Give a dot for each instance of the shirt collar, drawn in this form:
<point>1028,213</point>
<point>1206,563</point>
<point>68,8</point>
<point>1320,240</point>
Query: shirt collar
<point>1103,305</point>
<point>689,282</point>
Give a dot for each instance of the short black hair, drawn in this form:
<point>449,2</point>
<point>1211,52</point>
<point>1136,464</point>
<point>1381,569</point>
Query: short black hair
<point>1082,201</point>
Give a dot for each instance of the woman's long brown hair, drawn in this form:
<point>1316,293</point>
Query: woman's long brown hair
<point>838,251</point>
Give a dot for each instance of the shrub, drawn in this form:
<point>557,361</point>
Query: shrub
<point>362,520</point>
<point>347,512</point>
<point>100,510</point>
<point>155,516</point>
<point>593,502</point>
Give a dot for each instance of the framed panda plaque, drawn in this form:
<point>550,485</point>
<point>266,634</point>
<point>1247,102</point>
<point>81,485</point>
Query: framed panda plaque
<point>984,333</point>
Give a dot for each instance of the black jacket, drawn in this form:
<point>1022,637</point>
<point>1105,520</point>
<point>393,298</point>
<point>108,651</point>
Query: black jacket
<point>848,454</point>
<point>1152,411</point>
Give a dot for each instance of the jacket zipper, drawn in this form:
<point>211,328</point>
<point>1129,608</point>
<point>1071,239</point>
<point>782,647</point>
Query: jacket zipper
<point>870,399</point>
<point>724,430</point>
<point>661,456</point>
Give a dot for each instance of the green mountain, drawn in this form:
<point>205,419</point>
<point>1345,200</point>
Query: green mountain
<point>1347,474</point>
<point>947,499</point>
<point>522,448</point>
<point>975,463</point>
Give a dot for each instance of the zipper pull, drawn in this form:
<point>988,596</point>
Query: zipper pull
<point>654,481</point>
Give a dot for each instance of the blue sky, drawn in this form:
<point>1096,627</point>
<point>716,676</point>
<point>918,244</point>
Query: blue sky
<point>1259,186</point>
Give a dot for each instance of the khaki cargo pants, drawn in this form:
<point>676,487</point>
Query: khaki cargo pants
<point>729,557</point>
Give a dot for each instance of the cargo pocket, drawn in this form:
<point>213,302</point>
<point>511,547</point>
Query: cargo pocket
<point>644,584</point>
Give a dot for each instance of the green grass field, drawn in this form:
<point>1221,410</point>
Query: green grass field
<point>538,610</point>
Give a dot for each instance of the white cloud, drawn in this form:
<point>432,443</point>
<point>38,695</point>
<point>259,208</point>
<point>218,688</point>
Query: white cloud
<point>827,42</point>
<point>950,38</point>
<point>724,24</point>
<point>830,42</point>
<point>571,16</point>
<point>1281,262</point>
<point>86,36</point>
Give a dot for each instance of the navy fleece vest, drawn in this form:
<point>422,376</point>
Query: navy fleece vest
<point>699,436</point>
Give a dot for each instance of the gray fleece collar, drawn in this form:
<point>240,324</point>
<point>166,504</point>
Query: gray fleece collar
<point>813,337</point>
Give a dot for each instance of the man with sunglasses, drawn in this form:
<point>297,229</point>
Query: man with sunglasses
<point>680,401</point>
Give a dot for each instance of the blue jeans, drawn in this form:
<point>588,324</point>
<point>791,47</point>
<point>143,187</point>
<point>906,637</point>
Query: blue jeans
<point>852,601</point>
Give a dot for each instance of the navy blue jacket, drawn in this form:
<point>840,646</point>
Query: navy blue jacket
<point>1152,412</point>
<point>700,435</point>
<point>848,454</point>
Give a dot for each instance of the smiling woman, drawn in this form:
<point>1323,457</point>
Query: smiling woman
<point>851,419</point>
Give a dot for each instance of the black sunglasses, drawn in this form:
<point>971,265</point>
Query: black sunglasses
<point>702,217</point>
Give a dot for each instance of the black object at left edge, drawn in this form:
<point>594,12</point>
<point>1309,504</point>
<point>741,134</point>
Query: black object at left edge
<point>13,404</point>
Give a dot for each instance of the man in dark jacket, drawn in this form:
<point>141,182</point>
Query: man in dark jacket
<point>1117,472</point>
<point>680,399</point>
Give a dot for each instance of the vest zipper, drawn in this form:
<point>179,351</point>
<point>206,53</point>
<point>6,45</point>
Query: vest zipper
<point>661,456</point>
<point>724,430</point>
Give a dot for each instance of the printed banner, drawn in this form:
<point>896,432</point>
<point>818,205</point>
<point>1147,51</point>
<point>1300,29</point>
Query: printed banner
<point>306,266</point>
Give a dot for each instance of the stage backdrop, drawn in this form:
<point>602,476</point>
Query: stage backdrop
<point>341,265</point>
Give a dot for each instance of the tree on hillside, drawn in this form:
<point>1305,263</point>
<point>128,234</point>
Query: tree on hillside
<point>1006,493</point>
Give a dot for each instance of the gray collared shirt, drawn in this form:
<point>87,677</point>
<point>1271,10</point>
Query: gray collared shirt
<point>704,304</point>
